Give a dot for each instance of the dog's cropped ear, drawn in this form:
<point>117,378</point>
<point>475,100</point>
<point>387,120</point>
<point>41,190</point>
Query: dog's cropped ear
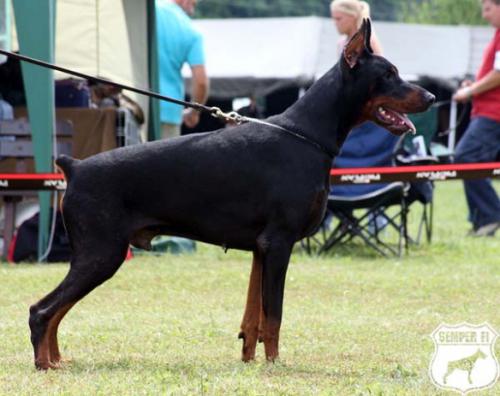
<point>367,25</point>
<point>358,44</point>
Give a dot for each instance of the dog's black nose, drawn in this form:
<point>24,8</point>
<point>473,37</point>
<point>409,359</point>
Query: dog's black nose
<point>429,98</point>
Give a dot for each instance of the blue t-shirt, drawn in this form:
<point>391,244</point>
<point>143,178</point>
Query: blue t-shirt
<point>178,42</point>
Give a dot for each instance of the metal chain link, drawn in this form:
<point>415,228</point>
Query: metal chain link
<point>232,117</point>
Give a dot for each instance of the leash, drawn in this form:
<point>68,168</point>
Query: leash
<point>214,111</point>
<point>231,117</point>
<point>460,120</point>
<point>441,103</point>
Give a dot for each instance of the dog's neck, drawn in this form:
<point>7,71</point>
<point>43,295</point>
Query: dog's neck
<point>326,113</point>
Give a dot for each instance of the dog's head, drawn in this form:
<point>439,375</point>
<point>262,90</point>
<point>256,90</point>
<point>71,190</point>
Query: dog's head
<point>375,82</point>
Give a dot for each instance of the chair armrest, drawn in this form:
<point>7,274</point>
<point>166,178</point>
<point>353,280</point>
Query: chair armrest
<point>406,160</point>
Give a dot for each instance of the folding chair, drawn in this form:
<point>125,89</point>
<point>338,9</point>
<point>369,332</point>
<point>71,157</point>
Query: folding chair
<point>419,149</point>
<point>368,211</point>
<point>373,221</point>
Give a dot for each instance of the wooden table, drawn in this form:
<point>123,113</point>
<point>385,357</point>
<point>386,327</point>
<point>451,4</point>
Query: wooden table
<point>93,131</point>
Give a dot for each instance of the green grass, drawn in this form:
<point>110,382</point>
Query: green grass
<point>354,324</point>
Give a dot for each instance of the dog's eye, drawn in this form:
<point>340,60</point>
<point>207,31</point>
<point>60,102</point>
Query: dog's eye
<point>389,74</point>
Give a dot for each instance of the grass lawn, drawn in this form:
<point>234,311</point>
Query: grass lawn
<point>354,323</point>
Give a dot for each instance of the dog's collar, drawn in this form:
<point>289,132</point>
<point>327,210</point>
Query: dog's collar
<point>295,134</point>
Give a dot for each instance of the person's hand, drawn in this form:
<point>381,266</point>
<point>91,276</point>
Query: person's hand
<point>466,83</point>
<point>463,94</point>
<point>191,117</point>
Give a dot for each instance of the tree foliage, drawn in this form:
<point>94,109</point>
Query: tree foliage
<point>381,9</point>
<point>260,8</point>
<point>442,12</point>
<point>411,11</point>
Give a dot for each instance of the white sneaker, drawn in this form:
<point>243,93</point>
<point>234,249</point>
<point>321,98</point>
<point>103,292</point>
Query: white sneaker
<point>487,230</point>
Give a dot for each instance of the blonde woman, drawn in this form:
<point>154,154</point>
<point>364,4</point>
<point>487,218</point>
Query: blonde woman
<point>348,16</point>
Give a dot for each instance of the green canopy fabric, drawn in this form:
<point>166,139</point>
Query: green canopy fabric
<point>35,22</point>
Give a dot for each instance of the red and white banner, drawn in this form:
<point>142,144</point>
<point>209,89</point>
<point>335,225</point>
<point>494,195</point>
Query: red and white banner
<point>414,173</point>
<point>32,181</point>
<point>55,181</point>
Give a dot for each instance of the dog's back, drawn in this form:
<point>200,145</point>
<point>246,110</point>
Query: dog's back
<point>219,187</point>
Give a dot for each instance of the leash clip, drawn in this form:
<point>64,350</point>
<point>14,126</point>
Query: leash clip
<point>231,118</point>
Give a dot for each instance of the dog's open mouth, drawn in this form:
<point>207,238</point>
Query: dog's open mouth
<point>394,121</point>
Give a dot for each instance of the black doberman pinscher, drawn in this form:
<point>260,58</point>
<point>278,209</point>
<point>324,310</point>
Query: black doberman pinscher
<point>258,187</point>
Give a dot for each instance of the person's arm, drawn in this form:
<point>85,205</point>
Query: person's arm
<point>489,81</point>
<point>199,94</point>
<point>200,84</point>
<point>199,79</point>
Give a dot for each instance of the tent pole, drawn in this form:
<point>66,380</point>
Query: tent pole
<point>35,22</point>
<point>154,132</point>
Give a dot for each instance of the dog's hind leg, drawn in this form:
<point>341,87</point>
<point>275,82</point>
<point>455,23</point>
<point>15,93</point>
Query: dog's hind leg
<point>251,318</point>
<point>54,353</point>
<point>276,255</point>
<point>90,267</point>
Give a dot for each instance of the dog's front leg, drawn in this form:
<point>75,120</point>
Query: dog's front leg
<point>275,263</point>
<point>251,318</point>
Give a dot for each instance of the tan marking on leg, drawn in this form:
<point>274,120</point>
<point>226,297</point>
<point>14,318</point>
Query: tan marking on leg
<point>42,361</point>
<point>261,323</point>
<point>48,355</point>
<point>55,355</point>
<point>251,318</point>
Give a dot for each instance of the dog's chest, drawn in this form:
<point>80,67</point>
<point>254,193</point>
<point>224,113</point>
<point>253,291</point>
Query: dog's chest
<point>317,211</point>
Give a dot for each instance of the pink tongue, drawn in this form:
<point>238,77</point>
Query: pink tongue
<point>408,123</point>
<point>403,117</point>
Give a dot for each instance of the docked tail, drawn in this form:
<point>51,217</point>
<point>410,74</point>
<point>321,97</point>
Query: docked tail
<point>67,165</point>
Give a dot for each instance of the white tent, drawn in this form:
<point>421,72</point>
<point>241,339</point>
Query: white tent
<point>258,55</point>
